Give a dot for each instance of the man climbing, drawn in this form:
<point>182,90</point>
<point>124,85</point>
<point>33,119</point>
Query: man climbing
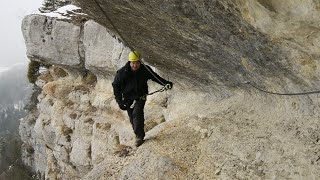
<point>130,89</point>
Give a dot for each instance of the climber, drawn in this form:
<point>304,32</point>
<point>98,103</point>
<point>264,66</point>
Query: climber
<point>130,89</point>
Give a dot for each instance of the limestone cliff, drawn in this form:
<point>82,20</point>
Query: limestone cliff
<point>211,125</point>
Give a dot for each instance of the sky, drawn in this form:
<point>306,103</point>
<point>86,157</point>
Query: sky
<point>12,47</point>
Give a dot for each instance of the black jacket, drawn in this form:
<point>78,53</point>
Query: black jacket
<point>129,85</point>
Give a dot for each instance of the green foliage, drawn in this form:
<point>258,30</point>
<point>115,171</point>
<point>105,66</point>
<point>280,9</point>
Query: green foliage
<point>33,71</point>
<point>52,5</point>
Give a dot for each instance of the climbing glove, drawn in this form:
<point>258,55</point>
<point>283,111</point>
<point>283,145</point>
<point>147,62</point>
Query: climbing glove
<point>122,105</point>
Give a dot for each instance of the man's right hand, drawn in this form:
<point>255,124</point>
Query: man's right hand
<point>122,105</point>
<point>169,85</point>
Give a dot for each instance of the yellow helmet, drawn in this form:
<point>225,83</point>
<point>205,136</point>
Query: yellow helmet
<point>133,56</point>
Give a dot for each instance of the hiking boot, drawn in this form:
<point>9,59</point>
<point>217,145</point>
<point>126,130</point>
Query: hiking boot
<point>139,141</point>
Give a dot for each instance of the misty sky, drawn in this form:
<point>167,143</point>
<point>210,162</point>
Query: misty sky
<point>12,47</point>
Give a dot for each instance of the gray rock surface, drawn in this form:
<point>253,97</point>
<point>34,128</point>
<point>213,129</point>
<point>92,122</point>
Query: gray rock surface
<point>213,42</point>
<point>47,40</point>
<point>208,126</point>
<point>104,52</point>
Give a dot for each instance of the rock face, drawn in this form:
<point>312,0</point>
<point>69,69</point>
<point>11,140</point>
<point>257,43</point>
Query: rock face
<point>211,125</point>
<point>45,37</point>
<point>196,41</point>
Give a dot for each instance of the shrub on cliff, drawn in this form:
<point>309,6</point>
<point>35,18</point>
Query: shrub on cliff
<point>34,70</point>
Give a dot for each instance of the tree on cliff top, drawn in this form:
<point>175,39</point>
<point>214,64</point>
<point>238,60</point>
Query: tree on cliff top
<point>52,5</point>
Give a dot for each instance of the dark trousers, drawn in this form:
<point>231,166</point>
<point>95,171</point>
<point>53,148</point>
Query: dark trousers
<point>136,116</point>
